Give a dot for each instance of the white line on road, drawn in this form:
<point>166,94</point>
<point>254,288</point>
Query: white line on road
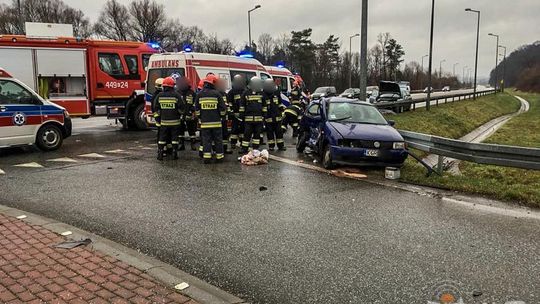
<point>2,172</point>
<point>117,151</point>
<point>29,165</point>
<point>63,160</point>
<point>92,155</point>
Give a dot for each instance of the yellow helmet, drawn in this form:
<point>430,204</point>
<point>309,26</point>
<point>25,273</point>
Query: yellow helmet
<point>159,82</point>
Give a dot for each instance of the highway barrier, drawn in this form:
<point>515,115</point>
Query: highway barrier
<point>489,154</point>
<point>411,104</point>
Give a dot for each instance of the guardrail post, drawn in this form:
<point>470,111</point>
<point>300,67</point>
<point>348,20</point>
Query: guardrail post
<point>440,164</point>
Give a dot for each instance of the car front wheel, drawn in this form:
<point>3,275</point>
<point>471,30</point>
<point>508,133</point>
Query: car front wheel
<point>301,144</point>
<point>49,138</point>
<point>327,158</point>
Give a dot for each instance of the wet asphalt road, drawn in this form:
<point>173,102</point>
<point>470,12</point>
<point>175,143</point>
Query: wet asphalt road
<point>310,238</point>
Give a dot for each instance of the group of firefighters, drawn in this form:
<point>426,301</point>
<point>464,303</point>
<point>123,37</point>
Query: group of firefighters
<point>251,108</point>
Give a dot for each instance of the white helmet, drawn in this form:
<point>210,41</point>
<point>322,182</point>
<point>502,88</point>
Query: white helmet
<point>256,84</point>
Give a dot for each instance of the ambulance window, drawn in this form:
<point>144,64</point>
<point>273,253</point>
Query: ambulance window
<point>291,80</point>
<point>281,82</point>
<point>110,63</point>
<point>132,64</point>
<point>13,93</point>
<point>247,75</point>
<point>145,60</point>
<point>154,74</point>
<point>265,76</point>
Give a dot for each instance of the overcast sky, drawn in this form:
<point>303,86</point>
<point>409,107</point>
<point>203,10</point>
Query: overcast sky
<point>516,21</point>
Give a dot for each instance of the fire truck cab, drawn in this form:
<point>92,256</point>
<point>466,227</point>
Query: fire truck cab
<point>195,66</point>
<point>82,75</point>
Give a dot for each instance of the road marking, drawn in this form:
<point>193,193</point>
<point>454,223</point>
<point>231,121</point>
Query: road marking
<point>181,286</point>
<point>62,160</point>
<point>66,233</point>
<point>29,165</point>
<point>92,155</point>
<point>2,172</point>
<point>147,148</point>
<point>117,151</point>
<point>21,217</point>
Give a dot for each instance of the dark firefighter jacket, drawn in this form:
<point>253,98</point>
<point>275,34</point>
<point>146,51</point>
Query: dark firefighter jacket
<point>234,98</point>
<point>170,107</point>
<point>210,107</point>
<point>253,107</point>
<point>275,107</point>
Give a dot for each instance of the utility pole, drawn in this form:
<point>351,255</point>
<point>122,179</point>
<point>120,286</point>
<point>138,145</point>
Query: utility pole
<point>363,51</point>
<point>477,41</point>
<point>496,61</point>
<point>428,101</point>
<point>351,56</point>
<point>250,44</point>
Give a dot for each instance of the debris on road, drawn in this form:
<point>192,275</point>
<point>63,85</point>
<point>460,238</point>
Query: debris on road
<point>73,244</point>
<point>348,172</point>
<point>263,188</point>
<point>255,158</point>
<point>20,217</point>
<point>181,286</point>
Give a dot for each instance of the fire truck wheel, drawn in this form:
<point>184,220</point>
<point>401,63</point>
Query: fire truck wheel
<point>49,137</point>
<point>139,118</point>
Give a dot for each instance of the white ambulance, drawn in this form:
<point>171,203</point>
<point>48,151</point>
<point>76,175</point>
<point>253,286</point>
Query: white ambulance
<point>283,78</point>
<point>195,66</point>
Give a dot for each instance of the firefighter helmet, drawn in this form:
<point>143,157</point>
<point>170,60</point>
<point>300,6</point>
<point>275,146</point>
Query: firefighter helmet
<point>159,82</point>
<point>269,86</point>
<point>211,79</point>
<point>200,85</point>
<point>238,83</point>
<point>256,84</point>
<point>169,82</point>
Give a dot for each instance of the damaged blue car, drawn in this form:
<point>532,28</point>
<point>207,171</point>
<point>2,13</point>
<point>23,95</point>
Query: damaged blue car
<point>345,131</point>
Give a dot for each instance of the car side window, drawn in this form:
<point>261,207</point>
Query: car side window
<point>13,93</point>
<point>313,110</point>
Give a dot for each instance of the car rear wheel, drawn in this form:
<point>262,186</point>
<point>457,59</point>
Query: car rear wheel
<point>49,138</point>
<point>327,158</point>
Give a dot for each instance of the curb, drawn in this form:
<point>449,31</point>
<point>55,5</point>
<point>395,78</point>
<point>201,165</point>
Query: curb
<point>169,275</point>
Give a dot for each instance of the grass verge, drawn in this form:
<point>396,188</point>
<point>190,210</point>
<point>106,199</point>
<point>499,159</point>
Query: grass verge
<point>509,184</point>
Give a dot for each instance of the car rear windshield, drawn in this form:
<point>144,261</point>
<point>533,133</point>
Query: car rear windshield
<point>154,74</point>
<point>349,112</point>
<point>322,90</point>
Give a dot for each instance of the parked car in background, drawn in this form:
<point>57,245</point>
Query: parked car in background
<point>406,85</point>
<point>430,89</point>
<point>350,132</point>
<point>446,89</point>
<point>392,92</point>
<point>322,92</point>
<point>351,93</point>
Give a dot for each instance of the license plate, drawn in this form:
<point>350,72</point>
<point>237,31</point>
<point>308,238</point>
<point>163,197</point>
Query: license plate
<point>372,153</point>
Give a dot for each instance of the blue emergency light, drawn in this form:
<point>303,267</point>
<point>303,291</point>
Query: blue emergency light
<point>244,54</point>
<point>188,48</point>
<point>280,64</point>
<point>154,45</point>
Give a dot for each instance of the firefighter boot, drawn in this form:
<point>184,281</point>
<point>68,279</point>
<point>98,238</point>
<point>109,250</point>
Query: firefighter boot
<point>160,154</point>
<point>175,152</point>
<point>193,145</point>
<point>182,145</point>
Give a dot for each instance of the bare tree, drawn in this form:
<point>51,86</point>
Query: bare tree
<point>214,45</point>
<point>113,22</point>
<point>266,45</point>
<point>81,24</point>
<point>382,39</point>
<point>179,36</point>
<point>148,20</point>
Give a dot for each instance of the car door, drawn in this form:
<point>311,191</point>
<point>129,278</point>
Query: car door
<point>313,121</point>
<point>20,114</point>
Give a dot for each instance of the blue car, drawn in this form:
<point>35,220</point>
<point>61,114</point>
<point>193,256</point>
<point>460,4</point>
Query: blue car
<point>350,132</point>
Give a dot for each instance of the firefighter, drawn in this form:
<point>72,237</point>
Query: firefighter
<point>274,133</point>
<point>296,94</point>
<point>291,117</point>
<point>253,110</point>
<point>210,109</point>
<point>170,107</point>
<point>221,87</point>
<point>189,123</point>
<point>158,90</point>
<point>233,100</point>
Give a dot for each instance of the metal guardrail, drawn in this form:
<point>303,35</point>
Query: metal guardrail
<point>489,154</point>
<point>435,100</point>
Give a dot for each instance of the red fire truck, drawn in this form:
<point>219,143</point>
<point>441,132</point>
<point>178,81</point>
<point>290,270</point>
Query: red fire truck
<point>82,75</point>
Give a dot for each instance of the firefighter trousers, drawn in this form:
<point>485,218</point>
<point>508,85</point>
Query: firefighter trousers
<point>225,134</point>
<point>237,131</point>
<point>211,136</point>
<point>190,126</point>
<point>274,133</point>
<point>290,120</point>
<point>252,133</point>
<point>168,134</point>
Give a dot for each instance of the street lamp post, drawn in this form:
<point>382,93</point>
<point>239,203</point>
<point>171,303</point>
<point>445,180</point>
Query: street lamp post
<point>504,67</point>
<point>249,24</point>
<point>428,101</point>
<point>463,77</point>
<point>350,54</point>
<point>363,51</point>
<point>496,61</point>
<point>454,69</point>
<point>477,41</point>
<point>440,67</point>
